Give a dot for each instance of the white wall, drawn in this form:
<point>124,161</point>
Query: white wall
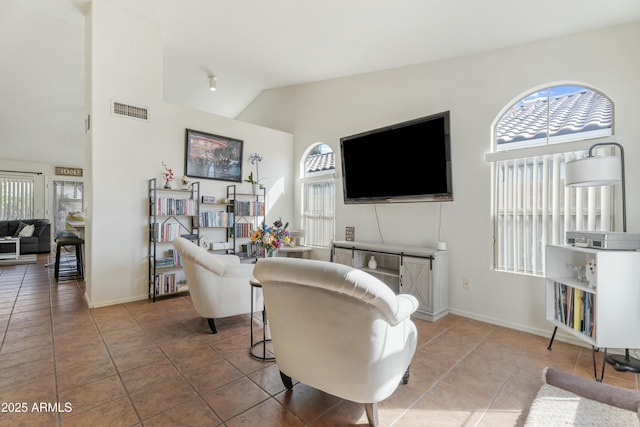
<point>125,55</point>
<point>475,89</point>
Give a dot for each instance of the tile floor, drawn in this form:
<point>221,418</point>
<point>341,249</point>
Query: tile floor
<point>145,364</point>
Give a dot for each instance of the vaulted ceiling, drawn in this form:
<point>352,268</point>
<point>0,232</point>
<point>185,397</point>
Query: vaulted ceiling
<point>253,45</point>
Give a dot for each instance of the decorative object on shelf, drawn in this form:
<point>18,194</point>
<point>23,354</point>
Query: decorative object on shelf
<point>373,264</point>
<point>204,243</point>
<point>271,238</point>
<point>209,200</point>
<point>591,273</point>
<point>212,156</point>
<point>581,272</point>
<point>185,183</point>
<point>255,159</point>
<point>350,234</point>
<point>167,175</point>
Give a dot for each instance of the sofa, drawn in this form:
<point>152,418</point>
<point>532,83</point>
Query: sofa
<point>38,243</point>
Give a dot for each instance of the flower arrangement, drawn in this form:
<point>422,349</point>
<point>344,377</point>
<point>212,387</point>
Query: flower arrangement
<point>167,175</point>
<point>254,159</point>
<point>271,238</point>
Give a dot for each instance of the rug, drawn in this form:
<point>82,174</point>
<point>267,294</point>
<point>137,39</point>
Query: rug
<point>23,259</point>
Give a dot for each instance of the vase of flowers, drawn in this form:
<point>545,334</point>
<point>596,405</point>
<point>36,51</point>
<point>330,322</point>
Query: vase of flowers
<point>167,175</point>
<point>271,238</point>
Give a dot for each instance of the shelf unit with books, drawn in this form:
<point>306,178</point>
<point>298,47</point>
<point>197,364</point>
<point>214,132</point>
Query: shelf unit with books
<point>594,296</point>
<point>172,213</point>
<point>249,212</point>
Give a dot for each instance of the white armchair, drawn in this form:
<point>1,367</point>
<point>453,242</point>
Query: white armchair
<point>218,284</point>
<point>338,329</point>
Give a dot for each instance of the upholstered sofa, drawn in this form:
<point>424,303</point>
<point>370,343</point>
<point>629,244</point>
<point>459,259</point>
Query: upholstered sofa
<point>38,243</point>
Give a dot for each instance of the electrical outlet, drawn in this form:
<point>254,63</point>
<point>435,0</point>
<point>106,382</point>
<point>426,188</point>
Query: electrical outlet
<point>466,283</point>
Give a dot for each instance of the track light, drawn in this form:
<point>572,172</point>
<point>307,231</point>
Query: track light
<point>212,83</point>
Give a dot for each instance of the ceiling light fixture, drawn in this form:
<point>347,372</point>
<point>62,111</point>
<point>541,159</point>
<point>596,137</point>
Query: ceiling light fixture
<point>212,83</point>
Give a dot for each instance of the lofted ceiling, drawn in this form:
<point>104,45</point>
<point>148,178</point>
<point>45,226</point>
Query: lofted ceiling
<point>253,45</point>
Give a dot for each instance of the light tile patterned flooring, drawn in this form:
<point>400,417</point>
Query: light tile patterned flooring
<point>158,365</point>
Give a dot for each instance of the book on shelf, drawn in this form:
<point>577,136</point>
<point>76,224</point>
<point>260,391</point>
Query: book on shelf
<point>243,229</point>
<point>216,219</point>
<point>246,208</point>
<point>171,206</point>
<point>575,308</point>
<point>166,232</point>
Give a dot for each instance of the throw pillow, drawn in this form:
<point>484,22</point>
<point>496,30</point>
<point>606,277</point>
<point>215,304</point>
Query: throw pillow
<point>27,231</point>
<point>21,225</point>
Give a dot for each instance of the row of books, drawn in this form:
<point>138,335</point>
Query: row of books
<point>167,284</point>
<point>171,206</point>
<point>243,229</point>
<point>245,208</point>
<point>216,219</point>
<point>172,259</point>
<point>575,308</point>
<point>166,232</point>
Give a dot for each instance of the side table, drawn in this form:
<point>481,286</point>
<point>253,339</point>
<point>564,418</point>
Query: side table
<point>257,286</point>
<point>16,242</point>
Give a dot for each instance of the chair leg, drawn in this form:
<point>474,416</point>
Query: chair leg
<point>212,325</point>
<point>286,380</point>
<point>372,413</point>
<point>405,377</point>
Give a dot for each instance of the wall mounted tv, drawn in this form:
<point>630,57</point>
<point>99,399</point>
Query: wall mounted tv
<point>405,162</point>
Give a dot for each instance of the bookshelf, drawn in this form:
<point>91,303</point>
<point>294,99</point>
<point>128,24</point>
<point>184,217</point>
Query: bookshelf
<point>248,211</point>
<point>601,310</point>
<point>421,272</point>
<point>172,213</point>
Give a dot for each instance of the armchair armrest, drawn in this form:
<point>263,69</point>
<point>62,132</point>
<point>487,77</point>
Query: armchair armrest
<point>407,305</point>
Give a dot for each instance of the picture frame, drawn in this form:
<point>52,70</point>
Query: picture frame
<point>210,156</point>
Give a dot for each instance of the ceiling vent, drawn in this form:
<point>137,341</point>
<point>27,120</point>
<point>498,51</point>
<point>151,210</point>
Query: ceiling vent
<point>131,111</point>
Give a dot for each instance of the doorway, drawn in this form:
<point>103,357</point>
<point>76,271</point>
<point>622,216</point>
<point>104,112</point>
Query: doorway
<point>67,205</point>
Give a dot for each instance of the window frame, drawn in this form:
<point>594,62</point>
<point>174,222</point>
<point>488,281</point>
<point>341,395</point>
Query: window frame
<point>553,147</point>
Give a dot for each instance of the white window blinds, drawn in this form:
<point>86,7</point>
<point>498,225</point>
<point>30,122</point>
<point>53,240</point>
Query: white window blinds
<point>16,198</point>
<point>533,208</point>
<point>318,213</point>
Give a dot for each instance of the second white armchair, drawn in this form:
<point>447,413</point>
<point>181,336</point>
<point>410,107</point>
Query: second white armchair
<point>218,284</point>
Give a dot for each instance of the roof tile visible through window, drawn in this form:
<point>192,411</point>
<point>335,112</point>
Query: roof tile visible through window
<point>575,112</point>
<point>320,162</point>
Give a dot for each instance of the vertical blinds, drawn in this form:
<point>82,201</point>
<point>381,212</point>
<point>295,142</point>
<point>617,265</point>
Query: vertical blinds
<point>318,212</point>
<point>16,198</point>
<point>533,208</point>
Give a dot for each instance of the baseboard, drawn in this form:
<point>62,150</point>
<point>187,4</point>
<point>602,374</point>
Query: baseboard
<point>523,328</point>
<point>113,302</point>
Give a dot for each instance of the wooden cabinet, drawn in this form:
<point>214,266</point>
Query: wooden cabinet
<point>421,272</point>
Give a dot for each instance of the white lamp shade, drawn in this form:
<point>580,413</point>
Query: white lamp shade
<point>593,171</point>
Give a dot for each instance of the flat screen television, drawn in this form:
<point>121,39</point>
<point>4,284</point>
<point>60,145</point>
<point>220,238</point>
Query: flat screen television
<point>404,162</point>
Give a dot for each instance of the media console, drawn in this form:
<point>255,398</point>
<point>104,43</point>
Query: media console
<point>421,272</point>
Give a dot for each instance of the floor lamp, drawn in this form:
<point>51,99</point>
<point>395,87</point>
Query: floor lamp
<point>593,171</point>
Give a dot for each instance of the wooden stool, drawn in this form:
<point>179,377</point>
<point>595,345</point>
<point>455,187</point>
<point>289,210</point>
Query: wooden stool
<point>76,242</point>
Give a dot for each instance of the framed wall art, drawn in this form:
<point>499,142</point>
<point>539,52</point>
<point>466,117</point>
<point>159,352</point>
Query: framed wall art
<point>212,156</point>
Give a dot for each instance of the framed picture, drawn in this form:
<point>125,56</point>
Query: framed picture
<point>211,156</point>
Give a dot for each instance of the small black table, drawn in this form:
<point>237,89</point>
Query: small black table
<point>255,284</point>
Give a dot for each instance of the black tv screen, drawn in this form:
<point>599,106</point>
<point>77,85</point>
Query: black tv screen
<point>405,162</point>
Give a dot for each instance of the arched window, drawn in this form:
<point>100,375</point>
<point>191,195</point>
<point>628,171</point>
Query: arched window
<point>318,195</point>
<point>531,205</point>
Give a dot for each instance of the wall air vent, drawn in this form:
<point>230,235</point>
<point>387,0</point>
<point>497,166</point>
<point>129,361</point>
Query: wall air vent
<point>132,111</point>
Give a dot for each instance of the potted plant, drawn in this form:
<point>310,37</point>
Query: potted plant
<point>255,159</point>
